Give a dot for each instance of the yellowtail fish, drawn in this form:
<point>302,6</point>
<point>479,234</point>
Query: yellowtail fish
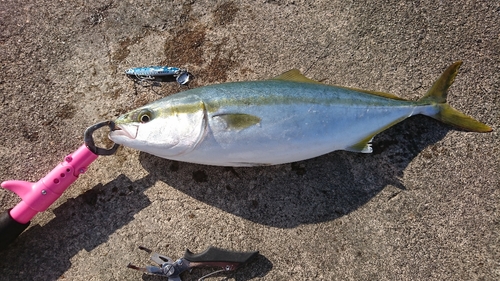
<point>285,119</point>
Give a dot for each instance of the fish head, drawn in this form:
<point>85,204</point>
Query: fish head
<point>162,130</point>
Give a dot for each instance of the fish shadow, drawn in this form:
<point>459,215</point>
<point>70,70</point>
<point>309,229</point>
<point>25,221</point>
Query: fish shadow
<point>307,192</point>
<point>284,196</point>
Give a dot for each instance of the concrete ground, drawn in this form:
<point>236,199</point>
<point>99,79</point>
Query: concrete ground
<point>423,206</point>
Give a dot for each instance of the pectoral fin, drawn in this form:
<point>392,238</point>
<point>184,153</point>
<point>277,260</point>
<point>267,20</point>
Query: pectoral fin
<point>238,121</point>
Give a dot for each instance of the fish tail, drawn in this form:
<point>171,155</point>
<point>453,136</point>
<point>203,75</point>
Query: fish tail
<point>447,114</point>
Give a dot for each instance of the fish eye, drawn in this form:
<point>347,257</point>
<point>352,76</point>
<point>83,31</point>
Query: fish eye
<point>144,116</point>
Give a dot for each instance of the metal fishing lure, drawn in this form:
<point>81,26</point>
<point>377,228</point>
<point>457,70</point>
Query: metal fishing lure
<point>159,74</point>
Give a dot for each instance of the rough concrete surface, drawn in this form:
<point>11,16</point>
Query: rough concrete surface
<point>423,206</point>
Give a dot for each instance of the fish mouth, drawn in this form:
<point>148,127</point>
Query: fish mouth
<point>121,131</point>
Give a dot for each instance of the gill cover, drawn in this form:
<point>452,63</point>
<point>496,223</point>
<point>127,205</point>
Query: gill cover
<point>162,131</point>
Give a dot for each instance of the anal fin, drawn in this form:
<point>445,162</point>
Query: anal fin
<point>364,146</point>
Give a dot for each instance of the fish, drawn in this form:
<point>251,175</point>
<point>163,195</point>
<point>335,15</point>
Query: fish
<point>285,119</point>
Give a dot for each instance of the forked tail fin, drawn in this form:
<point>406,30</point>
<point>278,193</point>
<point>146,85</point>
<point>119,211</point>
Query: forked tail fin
<point>447,114</point>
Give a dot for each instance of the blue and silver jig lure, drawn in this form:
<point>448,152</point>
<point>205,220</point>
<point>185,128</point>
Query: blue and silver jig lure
<point>159,74</point>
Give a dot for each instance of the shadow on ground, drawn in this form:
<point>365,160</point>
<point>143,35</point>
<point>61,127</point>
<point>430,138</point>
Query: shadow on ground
<point>84,222</point>
<point>311,191</point>
<point>284,196</point>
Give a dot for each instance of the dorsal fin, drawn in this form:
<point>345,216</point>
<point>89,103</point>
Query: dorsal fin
<point>295,75</point>
<point>380,94</point>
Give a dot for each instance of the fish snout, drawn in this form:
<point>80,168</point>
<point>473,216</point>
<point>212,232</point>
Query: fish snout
<point>124,132</point>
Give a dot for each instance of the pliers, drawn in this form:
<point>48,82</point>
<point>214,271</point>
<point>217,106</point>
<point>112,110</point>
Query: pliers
<point>212,257</point>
